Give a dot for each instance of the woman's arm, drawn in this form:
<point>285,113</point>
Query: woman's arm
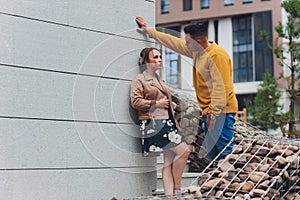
<point>137,96</point>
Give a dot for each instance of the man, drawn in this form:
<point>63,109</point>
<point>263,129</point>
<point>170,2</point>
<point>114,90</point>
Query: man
<point>212,77</point>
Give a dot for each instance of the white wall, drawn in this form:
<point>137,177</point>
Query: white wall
<point>186,70</point>
<point>66,126</point>
<point>225,35</point>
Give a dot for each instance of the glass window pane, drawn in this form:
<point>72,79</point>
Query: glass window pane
<point>187,5</point>
<point>171,61</point>
<point>204,3</point>
<point>242,49</point>
<point>165,6</point>
<point>228,2</point>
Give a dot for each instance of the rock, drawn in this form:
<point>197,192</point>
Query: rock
<point>223,175</point>
<point>228,194</point>
<point>234,185</point>
<point>174,105</point>
<point>238,198</point>
<point>232,158</point>
<point>260,151</point>
<point>247,147</point>
<point>258,192</point>
<point>294,160</point>
<point>258,176</point>
<point>255,178</point>
<point>244,157</point>
<point>194,122</point>
<point>264,168</point>
<point>281,160</point>
<point>184,122</point>
<point>224,165</point>
<point>219,193</point>
<point>254,159</point>
<point>262,174</point>
<point>292,196</point>
<point>292,180</point>
<point>213,183</point>
<point>249,167</point>
<point>293,148</point>
<point>247,196</point>
<point>243,176</point>
<point>204,178</point>
<point>264,185</point>
<point>274,172</point>
<point>194,190</point>
<point>237,149</point>
<point>288,152</point>
<point>247,186</point>
<point>192,111</point>
<point>190,139</point>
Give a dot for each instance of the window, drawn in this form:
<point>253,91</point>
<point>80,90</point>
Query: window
<point>263,54</point>
<point>171,69</point>
<point>172,65</point>
<point>251,56</point>
<point>245,100</point>
<point>204,4</point>
<point>242,49</point>
<point>165,6</point>
<point>247,1</point>
<point>187,5</point>
<point>216,26</point>
<point>228,2</point>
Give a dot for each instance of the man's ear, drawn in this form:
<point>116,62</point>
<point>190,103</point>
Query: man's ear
<point>199,41</point>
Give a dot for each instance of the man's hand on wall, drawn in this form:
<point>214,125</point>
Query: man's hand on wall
<point>142,25</point>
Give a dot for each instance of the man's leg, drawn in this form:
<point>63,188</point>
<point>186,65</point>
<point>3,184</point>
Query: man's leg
<point>212,137</point>
<point>225,139</point>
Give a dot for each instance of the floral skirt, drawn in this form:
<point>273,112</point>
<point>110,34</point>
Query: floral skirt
<point>158,135</point>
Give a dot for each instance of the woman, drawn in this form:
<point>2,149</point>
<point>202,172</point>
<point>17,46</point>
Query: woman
<point>160,132</point>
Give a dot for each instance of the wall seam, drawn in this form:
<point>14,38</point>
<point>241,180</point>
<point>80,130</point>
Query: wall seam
<point>63,120</point>
<point>72,26</point>
<point>61,72</point>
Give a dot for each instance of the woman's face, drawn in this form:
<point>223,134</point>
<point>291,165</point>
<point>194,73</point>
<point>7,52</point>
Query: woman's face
<point>155,61</point>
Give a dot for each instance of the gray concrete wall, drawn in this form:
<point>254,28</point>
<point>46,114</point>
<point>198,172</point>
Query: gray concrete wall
<point>66,127</point>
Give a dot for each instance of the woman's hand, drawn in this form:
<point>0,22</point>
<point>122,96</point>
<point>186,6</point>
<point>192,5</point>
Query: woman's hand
<point>142,24</point>
<point>164,102</point>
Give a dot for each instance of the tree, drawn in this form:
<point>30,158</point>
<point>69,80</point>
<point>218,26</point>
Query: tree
<point>287,51</point>
<point>266,111</point>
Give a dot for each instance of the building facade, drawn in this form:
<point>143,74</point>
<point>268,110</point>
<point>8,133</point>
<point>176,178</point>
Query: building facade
<point>234,25</point>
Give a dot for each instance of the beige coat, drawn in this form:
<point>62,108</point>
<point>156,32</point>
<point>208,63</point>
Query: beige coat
<point>143,90</point>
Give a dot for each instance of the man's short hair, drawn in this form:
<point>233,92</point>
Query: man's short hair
<point>197,29</point>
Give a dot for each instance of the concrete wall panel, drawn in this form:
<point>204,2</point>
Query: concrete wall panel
<point>114,16</point>
<point>34,44</point>
<point>42,94</point>
<point>28,144</point>
<point>66,126</point>
<point>91,184</point>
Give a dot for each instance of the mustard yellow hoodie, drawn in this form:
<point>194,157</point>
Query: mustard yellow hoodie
<point>212,74</point>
